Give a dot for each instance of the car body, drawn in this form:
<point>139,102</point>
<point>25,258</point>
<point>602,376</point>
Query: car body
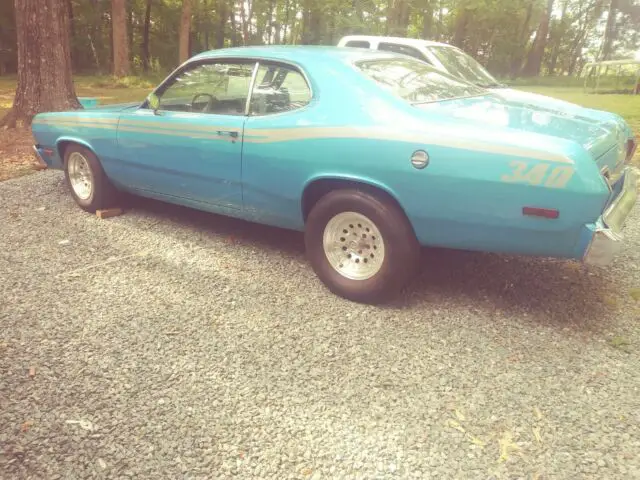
<point>334,139</point>
<point>451,59</point>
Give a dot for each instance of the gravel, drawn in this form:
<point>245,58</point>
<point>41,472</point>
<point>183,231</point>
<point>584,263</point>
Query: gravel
<point>170,343</point>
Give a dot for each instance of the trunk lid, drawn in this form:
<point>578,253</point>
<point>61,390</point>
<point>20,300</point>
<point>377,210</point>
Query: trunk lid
<point>604,139</point>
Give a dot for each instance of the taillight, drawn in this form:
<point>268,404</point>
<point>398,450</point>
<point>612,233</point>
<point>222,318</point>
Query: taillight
<point>540,212</point>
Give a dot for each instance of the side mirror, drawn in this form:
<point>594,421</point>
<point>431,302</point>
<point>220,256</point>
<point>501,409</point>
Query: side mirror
<point>154,102</point>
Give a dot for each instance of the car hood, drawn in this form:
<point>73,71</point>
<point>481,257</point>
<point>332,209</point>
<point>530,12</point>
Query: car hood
<point>599,135</point>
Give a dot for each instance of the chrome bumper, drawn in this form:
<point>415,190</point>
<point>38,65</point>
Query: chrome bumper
<point>607,237</point>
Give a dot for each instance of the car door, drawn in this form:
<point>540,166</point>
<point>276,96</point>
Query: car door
<point>191,146</point>
<point>273,170</point>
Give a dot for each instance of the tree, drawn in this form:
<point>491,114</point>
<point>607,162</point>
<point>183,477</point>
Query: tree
<point>121,64</point>
<point>609,31</point>
<point>45,80</point>
<point>534,60</point>
<point>185,31</point>
<point>145,37</point>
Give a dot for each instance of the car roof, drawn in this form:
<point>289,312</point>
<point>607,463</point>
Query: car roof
<point>296,53</point>
<point>414,42</point>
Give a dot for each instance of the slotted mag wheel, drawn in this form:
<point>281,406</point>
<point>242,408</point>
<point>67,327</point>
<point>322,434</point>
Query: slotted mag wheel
<point>80,175</point>
<point>353,245</point>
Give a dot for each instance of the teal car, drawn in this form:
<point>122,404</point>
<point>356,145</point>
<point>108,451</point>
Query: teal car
<point>371,154</point>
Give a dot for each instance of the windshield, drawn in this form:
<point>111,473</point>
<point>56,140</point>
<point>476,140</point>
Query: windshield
<point>464,66</point>
<point>415,81</point>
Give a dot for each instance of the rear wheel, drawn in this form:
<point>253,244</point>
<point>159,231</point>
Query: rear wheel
<point>361,245</point>
<point>90,187</point>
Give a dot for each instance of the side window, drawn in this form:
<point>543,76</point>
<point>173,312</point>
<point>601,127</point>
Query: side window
<point>403,49</point>
<point>213,88</point>
<point>278,89</point>
<point>357,44</point>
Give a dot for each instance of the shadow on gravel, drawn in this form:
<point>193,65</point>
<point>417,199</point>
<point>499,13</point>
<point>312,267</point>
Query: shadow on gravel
<point>559,292</point>
<point>562,293</point>
<point>232,229</point>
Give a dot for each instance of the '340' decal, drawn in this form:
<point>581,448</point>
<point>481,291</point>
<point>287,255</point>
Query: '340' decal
<point>540,174</point>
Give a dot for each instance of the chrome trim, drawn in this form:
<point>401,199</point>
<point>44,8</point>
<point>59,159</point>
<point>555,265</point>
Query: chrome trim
<point>38,156</point>
<point>607,237</point>
<point>606,174</point>
<point>622,205</point>
<point>603,247</point>
<point>252,84</point>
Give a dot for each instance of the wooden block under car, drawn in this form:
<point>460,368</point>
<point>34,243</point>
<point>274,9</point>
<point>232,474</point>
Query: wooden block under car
<point>109,212</point>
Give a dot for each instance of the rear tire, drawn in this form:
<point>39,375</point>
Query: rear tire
<point>361,246</point>
<point>89,185</point>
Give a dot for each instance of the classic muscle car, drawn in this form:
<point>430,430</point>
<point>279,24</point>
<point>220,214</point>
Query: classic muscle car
<point>371,154</point>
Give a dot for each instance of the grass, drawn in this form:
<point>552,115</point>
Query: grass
<point>15,158</point>
<point>107,89</point>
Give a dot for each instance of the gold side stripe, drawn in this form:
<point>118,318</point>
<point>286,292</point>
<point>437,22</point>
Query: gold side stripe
<point>442,139</point>
<point>84,125</point>
<point>159,125</point>
<point>74,119</point>
<point>211,136</point>
<point>438,138</point>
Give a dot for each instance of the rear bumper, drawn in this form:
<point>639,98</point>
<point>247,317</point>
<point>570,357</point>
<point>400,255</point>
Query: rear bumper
<point>607,238</point>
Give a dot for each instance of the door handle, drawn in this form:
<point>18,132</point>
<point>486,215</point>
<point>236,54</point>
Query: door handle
<point>231,133</point>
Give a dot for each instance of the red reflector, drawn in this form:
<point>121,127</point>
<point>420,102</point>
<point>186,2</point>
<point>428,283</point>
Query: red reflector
<point>48,151</point>
<point>540,212</point>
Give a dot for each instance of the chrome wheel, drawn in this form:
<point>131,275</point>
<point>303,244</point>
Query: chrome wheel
<point>80,175</point>
<point>353,245</point>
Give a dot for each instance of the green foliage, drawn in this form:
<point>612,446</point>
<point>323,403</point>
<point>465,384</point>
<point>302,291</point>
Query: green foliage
<point>499,33</point>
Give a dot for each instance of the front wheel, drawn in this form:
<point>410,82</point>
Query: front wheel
<point>360,245</point>
<point>90,187</point>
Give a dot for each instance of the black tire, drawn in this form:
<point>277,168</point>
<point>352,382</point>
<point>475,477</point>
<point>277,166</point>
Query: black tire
<point>401,248</point>
<point>103,193</point>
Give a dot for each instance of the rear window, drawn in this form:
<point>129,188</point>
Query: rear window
<point>415,81</point>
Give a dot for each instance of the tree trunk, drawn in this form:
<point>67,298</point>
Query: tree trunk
<point>398,17</point>
<point>270,22</point>
<point>234,24</point>
<point>222,21</point>
<point>185,30</point>
<point>610,32</point>
<point>311,23</point>
<point>285,27</point>
<point>121,65</point>
<point>534,59</point>
<point>246,20</point>
<point>145,37</point>
<point>130,27</point>
<point>557,39</point>
<point>461,29</point>
<point>45,81</point>
<point>72,31</point>
<point>427,21</point>
<point>516,59</point>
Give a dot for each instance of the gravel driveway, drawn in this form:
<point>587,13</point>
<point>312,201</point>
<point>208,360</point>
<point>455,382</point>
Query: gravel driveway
<point>169,343</point>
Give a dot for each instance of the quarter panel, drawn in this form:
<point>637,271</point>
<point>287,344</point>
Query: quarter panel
<point>96,131</point>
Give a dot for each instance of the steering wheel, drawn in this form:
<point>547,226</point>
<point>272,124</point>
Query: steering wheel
<point>207,105</point>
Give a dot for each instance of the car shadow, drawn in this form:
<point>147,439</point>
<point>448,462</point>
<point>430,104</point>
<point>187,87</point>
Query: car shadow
<point>563,293</point>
